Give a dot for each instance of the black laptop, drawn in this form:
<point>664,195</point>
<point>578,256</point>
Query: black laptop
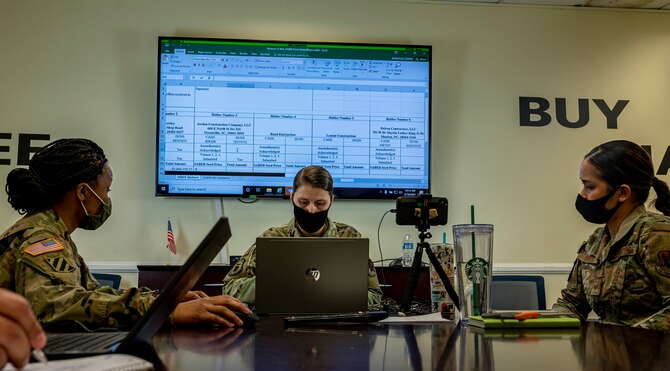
<point>69,345</point>
<point>317,275</point>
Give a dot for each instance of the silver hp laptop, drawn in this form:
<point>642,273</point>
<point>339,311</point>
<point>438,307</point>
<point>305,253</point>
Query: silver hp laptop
<point>311,275</point>
<point>68,345</point>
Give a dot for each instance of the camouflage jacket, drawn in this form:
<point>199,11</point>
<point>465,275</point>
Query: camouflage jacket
<point>628,281</point>
<point>39,260</point>
<point>241,280</point>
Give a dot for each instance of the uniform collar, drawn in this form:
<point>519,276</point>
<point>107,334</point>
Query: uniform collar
<point>601,232</point>
<point>55,224</point>
<point>331,231</point>
<point>628,223</point>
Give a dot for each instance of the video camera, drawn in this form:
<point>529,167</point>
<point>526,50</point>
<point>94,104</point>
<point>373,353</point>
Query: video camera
<point>422,210</point>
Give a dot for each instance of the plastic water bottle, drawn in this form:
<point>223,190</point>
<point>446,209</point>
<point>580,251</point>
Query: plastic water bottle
<point>407,251</point>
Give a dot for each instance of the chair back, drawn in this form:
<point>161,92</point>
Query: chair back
<point>108,279</point>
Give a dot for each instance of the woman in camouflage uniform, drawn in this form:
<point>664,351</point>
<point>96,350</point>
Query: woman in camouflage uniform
<point>66,187</point>
<point>311,198</point>
<point>622,272</point>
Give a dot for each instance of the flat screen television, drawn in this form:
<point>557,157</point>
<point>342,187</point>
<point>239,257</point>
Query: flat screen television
<point>241,117</point>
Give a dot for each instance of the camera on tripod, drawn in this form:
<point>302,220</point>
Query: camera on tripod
<point>423,210</point>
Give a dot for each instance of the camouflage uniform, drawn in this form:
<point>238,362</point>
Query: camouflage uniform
<point>628,282</point>
<point>241,280</point>
<point>39,261</point>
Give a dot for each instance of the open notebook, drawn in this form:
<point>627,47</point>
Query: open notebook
<point>69,345</point>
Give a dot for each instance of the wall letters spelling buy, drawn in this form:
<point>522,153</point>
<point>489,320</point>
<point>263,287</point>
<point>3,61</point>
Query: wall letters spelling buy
<point>533,112</point>
<point>541,105</point>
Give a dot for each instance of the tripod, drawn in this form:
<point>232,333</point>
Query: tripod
<point>410,288</point>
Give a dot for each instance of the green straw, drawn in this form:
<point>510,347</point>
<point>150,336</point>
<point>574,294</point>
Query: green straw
<point>475,286</point>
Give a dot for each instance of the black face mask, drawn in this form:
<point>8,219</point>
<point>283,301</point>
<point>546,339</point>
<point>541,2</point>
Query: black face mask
<point>309,222</point>
<point>594,211</point>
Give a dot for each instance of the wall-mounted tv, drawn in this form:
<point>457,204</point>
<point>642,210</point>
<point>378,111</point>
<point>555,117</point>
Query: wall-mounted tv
<point>241,117</point>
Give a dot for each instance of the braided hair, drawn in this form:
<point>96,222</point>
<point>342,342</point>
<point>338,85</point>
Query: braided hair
<point>54,170</point>
<point>623,162</point>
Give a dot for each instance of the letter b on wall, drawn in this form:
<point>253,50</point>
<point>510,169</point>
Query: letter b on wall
<point>539,110</point>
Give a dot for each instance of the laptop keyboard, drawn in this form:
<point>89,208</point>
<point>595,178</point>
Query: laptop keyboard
<point>98,342</point>
<point>337,318</point>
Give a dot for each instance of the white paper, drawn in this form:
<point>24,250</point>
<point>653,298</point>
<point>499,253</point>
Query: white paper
<point>426,318</point>
<point>106,362</point>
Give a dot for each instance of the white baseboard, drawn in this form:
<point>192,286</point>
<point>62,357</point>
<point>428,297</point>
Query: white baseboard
<point>121,267</point>
<point>532,268</point>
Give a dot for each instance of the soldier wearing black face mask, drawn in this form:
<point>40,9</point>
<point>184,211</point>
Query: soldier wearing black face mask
<point>622,271</point>
<point>311,199</point>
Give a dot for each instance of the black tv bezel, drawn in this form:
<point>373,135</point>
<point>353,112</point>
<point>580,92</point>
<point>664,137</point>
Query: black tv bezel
<point>349,193</point>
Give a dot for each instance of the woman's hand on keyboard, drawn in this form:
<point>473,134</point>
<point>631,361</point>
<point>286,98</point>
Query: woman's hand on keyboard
<point>217,310</point>
<point>192,295</point>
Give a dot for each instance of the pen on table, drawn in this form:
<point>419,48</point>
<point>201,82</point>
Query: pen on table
<point>38,354</point>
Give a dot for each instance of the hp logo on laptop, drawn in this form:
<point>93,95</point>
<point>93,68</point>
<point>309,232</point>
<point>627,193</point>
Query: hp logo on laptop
<point>312,275</point>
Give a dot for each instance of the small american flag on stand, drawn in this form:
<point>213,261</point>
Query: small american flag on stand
<point>170,239</point>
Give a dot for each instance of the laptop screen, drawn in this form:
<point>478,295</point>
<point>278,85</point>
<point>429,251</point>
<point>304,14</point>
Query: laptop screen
<point>180,283</point>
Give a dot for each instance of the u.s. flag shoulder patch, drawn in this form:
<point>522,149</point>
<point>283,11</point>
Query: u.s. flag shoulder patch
<point>43,247</point>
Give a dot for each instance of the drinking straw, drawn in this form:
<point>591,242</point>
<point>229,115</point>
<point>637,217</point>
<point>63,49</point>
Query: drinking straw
<point>475,285</point>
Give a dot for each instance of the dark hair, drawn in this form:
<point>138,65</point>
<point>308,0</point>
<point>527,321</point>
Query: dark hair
<point>316,176</point>
<point>623,162</point>
<point>53,170</point>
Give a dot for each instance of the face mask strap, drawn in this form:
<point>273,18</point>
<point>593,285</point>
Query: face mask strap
<point>84,207</point>
<point>96,195</point>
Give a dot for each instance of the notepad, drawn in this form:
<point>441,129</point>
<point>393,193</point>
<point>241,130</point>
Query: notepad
<point>527,334</point>
<point>542,322</point>
<point>105,362</point>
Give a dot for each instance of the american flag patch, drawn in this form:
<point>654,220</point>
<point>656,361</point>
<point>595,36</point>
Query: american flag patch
<point>43,247</point>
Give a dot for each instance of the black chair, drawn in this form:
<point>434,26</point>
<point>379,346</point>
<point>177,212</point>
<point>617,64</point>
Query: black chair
<point>108,279</point>
<point>518,292</point>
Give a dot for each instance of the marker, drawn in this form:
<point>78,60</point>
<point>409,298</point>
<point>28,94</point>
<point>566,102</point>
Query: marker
<point>38,354</point>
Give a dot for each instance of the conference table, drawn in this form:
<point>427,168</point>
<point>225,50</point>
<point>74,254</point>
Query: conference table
<point>444,345</point>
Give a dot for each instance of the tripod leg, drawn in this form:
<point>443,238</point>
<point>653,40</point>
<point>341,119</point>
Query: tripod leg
<point>410,288</point>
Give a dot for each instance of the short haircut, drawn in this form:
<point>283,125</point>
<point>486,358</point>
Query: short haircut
<point>316,176</point>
